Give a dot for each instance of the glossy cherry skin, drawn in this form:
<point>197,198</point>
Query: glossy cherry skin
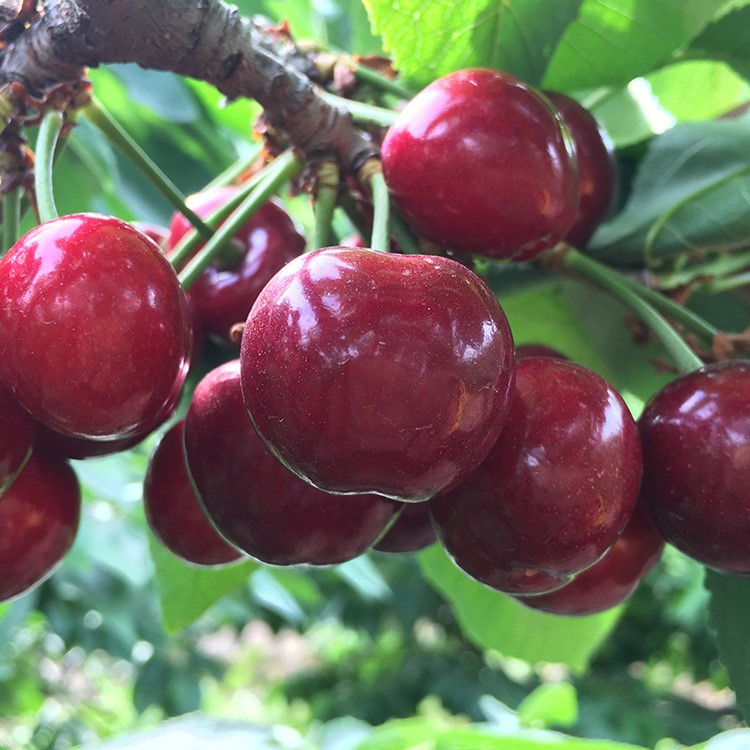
<point>269,240</point>
<point>410,532</point>
<point>478,162</point>
<point>38,522</point>
<point>610,580</point>
<point>17,432</point>
<point>93,327</point>
<point>597,169</point>
<point>370,372</point>
<point>557,488</point>
<point>696,449</point>
<point>256,503</point>
<point>173,511</point>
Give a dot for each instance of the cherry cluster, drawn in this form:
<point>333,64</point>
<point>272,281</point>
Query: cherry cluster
<point>378,400</point>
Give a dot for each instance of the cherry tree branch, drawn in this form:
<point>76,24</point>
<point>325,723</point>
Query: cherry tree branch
<point>204,39</point>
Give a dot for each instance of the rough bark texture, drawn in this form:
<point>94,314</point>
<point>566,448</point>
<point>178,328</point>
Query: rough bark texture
<point>204,39</point>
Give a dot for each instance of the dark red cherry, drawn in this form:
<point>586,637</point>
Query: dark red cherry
<point>696,451</point>
<point>478,162</point>
<point>611,580</point>
<point>410,532</point>
<point>223,295</point>
<point>371,372</point>
<point>172,509</point>
<point>38,523</point>
<point>555,491</point>
<point>537,350</point>
<point>597,170</point>
<point>93,327</point>
<point>57,445</point>
<point>257,504</point>
<point>152,231</point>
<point>17,430</point>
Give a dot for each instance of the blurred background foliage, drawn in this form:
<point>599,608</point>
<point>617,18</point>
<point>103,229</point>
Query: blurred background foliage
<point>124,636</point>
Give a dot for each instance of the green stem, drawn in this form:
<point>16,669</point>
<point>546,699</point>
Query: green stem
<point>349,207</point>
<point>103,120</point>
<point>381,206</point>
<point>610,281</point>
<point>264,190</point>
<point>362,114</point>
<point>727,284</point>
<point>402,234</point>
<point>11,218</point>
<point>367,75</point>
<point>326,194</point>
<point>676,312</point>
<point>49,133</point>
<point>229,175</point>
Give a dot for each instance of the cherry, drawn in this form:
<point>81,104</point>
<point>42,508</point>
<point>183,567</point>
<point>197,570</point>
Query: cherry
<point>557,488</point>
<point>370,372</point>
<point>610,580</point>
<point>696,479</point>
<point>55,444</point>
<point>597,171</point>
<point>257,504</point>
<point>479,162</point>
<point>222,295</point>
<point>38,522</point>
<point>17,430</point>
<point>410,532</point>
<point>157,233</point>
<point>537,350</point>
<point>93,327</point>
<point>173,511</point>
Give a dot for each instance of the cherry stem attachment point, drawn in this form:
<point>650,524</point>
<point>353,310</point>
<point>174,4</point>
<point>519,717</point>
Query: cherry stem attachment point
<point>326,194</point>
<point>101,117</point>
<point>574,262</point>
<point>49,134</point>
<point>11,218</point>
<point>274,176</point>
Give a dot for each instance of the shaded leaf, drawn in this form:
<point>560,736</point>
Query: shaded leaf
<point>691,195</point>
<point>431,38</point>
<point>727,39</point>
<point>729,618</point>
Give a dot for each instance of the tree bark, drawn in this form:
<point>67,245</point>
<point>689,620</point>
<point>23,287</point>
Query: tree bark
<point>204,39</point>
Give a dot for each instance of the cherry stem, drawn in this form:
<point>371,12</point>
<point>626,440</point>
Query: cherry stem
<point>612,282</point>
<point>11,218</point>
<point>367,75</point>
<point>101,117</point>
<point>272,180</point>
<point>362,114</point>
<point>381,207</point>
<point>49,134</point>
<point>402,234</point>
<point>728,283</point>
<point>185,248</point>
<point>326,194</point>
<point>229,175</point>
<point>349,207</point>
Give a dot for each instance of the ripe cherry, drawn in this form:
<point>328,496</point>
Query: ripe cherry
<point>537,350</point>
<point>223,295</point>
<point>597,171</point>
<point>370,372</point>
<point>611,580</point>
<point>38,523</point>
<point>257,504</point>
<point>17,430</point>
<point>410,532</point>
<point>555,491</point>
<point>479,162</point>
<point>93,327</point>
<point>172,509</point>
<point>696,479</point>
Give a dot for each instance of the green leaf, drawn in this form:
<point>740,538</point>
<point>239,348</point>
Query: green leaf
<point>612,43</point>
<point>495,621</point>
<point>729,618</point>
<point>691,195</point>
<point>550,705</point>
<point>727,39</point>
<point>186,592</point>
<point>431,38</point>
